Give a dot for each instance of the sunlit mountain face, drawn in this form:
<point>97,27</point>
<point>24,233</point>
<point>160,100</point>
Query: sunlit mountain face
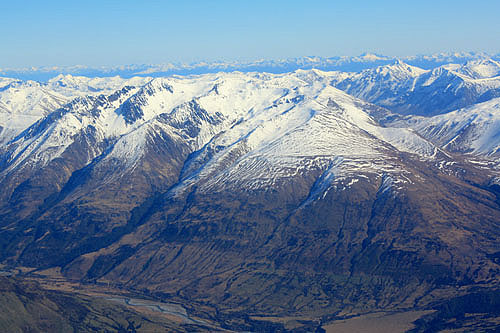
<point>286,195</point>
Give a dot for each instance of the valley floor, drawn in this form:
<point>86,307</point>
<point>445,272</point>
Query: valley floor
<point>100,306</point>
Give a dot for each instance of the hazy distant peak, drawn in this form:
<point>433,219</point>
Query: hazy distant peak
<point>334,63</point>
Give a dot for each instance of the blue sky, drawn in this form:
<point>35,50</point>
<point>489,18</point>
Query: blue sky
<point>46,33</point>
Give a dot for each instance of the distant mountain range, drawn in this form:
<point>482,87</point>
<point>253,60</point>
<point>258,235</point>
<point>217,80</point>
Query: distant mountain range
<point>344,63</point>
<point>312,193</point>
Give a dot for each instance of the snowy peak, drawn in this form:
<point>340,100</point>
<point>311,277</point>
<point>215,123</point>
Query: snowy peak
<point>337,63</point>
<point>6,83</point>
<point>399,70</point>
<point>441,76</point>
<point>367,56</point>
<point>265,178</point>
<point>406,89</point>
<point>480,69</point>
<point>70,85</point>
<point>22,103</point>
<point>380,85</point>
<point>254,127</point>
<point>474,129</point>
<point>239,119</point>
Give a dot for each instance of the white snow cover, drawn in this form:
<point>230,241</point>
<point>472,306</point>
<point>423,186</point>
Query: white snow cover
<point>478,69</point>
<point>400,84</point>
<point>475,129</point>
<point>375,83</point>
<point>267,128</point>
<point>22,103</point>
<point>281,65</point>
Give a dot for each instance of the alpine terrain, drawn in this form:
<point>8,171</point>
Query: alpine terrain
<point>252,201</point>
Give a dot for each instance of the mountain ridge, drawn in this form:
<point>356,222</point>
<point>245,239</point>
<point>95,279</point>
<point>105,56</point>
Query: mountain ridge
<point>257,193</point>
<point>406,89</point>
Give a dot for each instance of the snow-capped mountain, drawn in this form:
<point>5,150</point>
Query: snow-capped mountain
<point>22,103</point>
<point>477,69</point>
<point>266,193</point>
<point>291,121</point>
<point>70,85</point>
<point>472,130</point>
<point>431,61</point>
<point>382,85</point>
<point>407,89</point>
<point>338,63</point>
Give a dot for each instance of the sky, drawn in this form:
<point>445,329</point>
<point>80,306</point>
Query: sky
<point>113,33</point>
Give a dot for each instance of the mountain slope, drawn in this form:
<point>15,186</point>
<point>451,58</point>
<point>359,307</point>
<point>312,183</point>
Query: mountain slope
<point>406,89</point>
<point>478,69</point>
<point>255,193</point>
<point>22,103</point>
<point>122,128</point>
<point>473,130</point>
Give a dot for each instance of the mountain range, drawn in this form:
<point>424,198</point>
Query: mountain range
<point>309,194</point>
<point>339,63</point>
